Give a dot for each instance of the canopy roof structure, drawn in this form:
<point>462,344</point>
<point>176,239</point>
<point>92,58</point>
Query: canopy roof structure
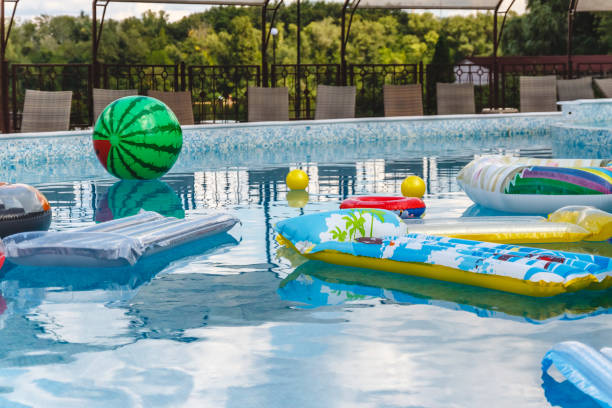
<point>266,7</point>
<point>432,4</point>
<point>594,5</point>
<point>197,2</point>
<point>498,7</point>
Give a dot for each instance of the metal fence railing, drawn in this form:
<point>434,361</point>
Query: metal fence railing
<point>511,73</point>
<point>52,77</point>
<point>303,93</point>
<point>219,93</point>
<point>142,77</point>
<point>369,80</point>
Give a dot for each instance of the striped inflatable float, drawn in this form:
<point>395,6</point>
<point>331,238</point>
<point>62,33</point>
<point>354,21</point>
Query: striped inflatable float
<point>537,186</point>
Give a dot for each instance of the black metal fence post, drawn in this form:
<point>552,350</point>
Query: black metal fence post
<point>183,76</point>
<point>4,73</point>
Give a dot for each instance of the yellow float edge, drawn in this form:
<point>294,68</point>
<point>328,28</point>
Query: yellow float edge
<point>445,273</point>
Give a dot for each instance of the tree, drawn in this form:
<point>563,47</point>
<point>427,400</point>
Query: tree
<point>442,63</point>
<point>543,31</point>
<point>231,35</point>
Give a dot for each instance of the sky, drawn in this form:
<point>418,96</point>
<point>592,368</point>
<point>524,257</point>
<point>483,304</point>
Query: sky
<point>30,9</point>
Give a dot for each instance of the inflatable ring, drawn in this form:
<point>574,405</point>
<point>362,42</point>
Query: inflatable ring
<point>404,207</point>
<point>22,208</point>
<point>537,186</point>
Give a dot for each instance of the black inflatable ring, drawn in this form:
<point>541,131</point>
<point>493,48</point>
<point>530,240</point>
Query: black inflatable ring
<point>22,208</point>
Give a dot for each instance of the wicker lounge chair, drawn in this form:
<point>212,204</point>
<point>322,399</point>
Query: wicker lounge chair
<point>538,93</point>
<point>403,100</point>
<point>103,97</point>
<point>335,102</point>
<point>46,111</point>
<point>572,89</point>
<point>268,104</point>
<point>605,86</point>
<point>453,99</point>
<point>178,102</point>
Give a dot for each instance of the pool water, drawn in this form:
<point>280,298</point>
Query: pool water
<point>238,321</point>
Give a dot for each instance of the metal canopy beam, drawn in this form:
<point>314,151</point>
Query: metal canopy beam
<point>4,38</point>
<point>500,10</point>
<point>266,31</point>
<point>199,2</point>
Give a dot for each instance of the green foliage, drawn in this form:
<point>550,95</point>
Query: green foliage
<point>443,62</point>
<point>543,31</point>
<point>469,35</point>
<point>231,35</point>
<point>355,222</point>
<point>339,235</point>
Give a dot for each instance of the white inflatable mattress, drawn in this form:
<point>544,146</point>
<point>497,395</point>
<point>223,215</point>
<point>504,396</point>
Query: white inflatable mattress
<point>115,243</point>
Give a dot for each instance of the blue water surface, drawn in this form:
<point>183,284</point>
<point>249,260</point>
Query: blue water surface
<point>238,321</point>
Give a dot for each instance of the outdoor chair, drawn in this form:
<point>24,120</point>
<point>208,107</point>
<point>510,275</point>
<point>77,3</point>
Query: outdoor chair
<point>538,93</point>
<point>103,97</point>
<point>403,100</point>
<point>335,102</point>
<point>179,102</point>
<point>605,86</point>
<point>455,99</point>
<point>46,111</point>
<point>268,104</point>
<point>573,89</point>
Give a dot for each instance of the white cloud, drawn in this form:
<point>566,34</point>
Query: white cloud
<point>29,10</point>
<point>115,11</point>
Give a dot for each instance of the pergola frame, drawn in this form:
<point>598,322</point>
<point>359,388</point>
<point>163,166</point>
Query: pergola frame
<point>4,37</point>
<point>271,7</point>
<point>267,6</point>
<point>351,6</point>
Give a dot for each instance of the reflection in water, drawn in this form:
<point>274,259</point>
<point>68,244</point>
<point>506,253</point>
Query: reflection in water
<point>476,210</point>
<point>317,284</point>
<point>297,198</point>
<point>208,328</point>
<point>42,294</point>
<point>128,197</point>
<point>78,200</point>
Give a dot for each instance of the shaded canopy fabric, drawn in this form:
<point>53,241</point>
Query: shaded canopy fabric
<point>212,2</point>
<point>432,4</point>
<point>398,4</point>
<point>594,5</point>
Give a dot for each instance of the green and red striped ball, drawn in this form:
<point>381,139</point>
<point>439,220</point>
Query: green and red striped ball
<point>137,137</point>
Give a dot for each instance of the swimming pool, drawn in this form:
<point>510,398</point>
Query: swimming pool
<point>238,321</point>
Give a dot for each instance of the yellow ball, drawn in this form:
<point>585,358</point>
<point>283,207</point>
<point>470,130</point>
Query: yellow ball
<point>413,186</point>
<point>297,180</point>
<point>297,198</point>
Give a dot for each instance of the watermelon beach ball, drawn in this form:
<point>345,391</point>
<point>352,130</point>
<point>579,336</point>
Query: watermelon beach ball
<point>137,137</point>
